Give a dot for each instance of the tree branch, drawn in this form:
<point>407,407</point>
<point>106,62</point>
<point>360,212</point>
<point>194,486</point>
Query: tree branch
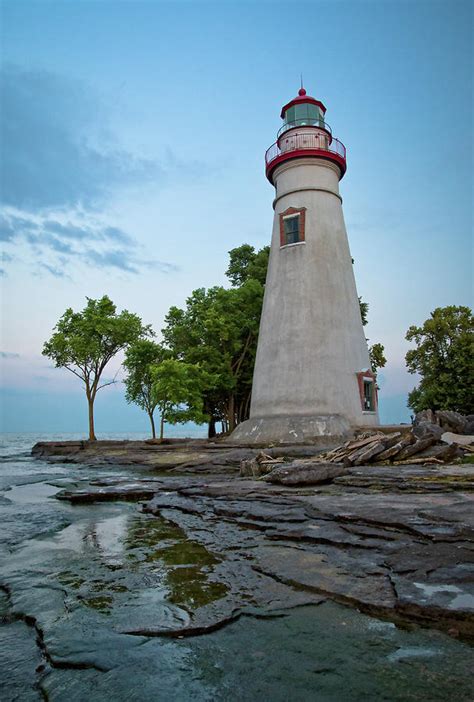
<point>236,366</point>
<point>81,377</point>
<point>110,382</point>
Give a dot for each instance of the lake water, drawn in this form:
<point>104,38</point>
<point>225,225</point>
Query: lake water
<point>72,576</point>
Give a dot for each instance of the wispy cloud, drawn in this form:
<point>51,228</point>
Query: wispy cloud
<point>69,230</point>
<point>7,354</point>
<point>53,270</point>
<point>122,260</point>
<point>59,245</point>
<point>111,259</point>
<point>7,230</point>
<point>60,163</point>
<point>117,235</point>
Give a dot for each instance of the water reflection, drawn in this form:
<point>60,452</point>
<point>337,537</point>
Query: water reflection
<point>128,559</point>
<point>186,566</point>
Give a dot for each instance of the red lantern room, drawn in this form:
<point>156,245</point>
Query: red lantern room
<point>304,134</point>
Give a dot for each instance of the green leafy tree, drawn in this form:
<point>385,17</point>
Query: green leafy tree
<point>177,390</point>
<point>140,358</point>
<point>245,263</point>
<point>377,356</point>
<point>84,342</point>
<point>376,351</point>
<point>364,311</point>
<point>218,330</point>
<point>443,357</point>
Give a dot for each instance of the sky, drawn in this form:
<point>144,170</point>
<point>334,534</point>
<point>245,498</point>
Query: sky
<point>133,140</point>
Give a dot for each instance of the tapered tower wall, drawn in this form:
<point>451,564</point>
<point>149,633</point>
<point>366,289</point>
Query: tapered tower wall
<point>311,343</point>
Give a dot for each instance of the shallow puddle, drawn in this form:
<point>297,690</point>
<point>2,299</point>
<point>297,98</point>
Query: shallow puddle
<point>185,565</point>
<point>110,562</point>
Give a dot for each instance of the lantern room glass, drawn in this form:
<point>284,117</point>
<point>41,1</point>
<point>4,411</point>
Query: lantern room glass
<point>303,114</point>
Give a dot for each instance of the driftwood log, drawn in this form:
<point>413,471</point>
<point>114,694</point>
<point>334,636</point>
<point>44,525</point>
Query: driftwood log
<point>395,447</point>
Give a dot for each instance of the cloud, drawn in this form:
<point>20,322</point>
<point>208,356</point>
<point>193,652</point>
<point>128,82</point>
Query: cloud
<point>7,231</point>
<point>111,259</point>
<point>69,231</point>
<point>60,163</point>
<point>56,245</point>
<point>54,270</point>
<point>11,227</point>
<point>123,261</point>
<point>117,235</point>
<point>57,149</point>
<point>7,354</point>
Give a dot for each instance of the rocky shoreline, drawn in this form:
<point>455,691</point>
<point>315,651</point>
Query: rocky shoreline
<point>393,541</point>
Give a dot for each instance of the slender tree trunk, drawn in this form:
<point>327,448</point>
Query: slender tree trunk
<point>90,402</point>
<point>162,427</point>
<point>211,430</point>
<point>231,413</point>
<point>152,422</point>
<point>247,406</point>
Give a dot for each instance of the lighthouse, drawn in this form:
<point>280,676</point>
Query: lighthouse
<point>312,380</point>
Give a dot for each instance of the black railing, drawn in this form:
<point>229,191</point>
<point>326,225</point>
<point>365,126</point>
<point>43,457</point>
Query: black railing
<point>305,123</point>
<point>300,142</point>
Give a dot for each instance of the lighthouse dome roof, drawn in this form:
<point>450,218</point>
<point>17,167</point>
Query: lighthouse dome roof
<point>302,98</point>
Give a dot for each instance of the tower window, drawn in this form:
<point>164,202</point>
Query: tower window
<point>367,382</point>
<point>292,226</point>
<point>369,396</point>
<point>291,229</point>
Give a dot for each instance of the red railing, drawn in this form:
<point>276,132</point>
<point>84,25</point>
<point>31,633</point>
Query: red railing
<point>302,142</point>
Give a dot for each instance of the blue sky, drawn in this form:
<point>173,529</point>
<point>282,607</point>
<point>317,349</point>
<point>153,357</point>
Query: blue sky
<point>133,143</point>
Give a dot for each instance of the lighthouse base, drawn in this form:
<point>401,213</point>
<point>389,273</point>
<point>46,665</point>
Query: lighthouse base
<point>320,430</point>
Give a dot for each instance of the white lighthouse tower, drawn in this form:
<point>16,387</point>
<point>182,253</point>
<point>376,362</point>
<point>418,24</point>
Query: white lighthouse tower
<point>312,379</point>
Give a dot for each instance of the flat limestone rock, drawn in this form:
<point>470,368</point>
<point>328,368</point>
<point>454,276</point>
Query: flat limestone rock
<point>461,439</point>
<point>302,473</point>
<point>110,493</point>
<point>328,572</point>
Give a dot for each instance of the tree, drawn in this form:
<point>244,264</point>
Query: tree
<point>364,311</point>
<point>443,358</point>
<point>140,358</point>
<point>84,342</point>
<point>376,351</point>
<point>177,389</point>
<point>377,357</point>
<point>218,330</point>
<point>245,263</point>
